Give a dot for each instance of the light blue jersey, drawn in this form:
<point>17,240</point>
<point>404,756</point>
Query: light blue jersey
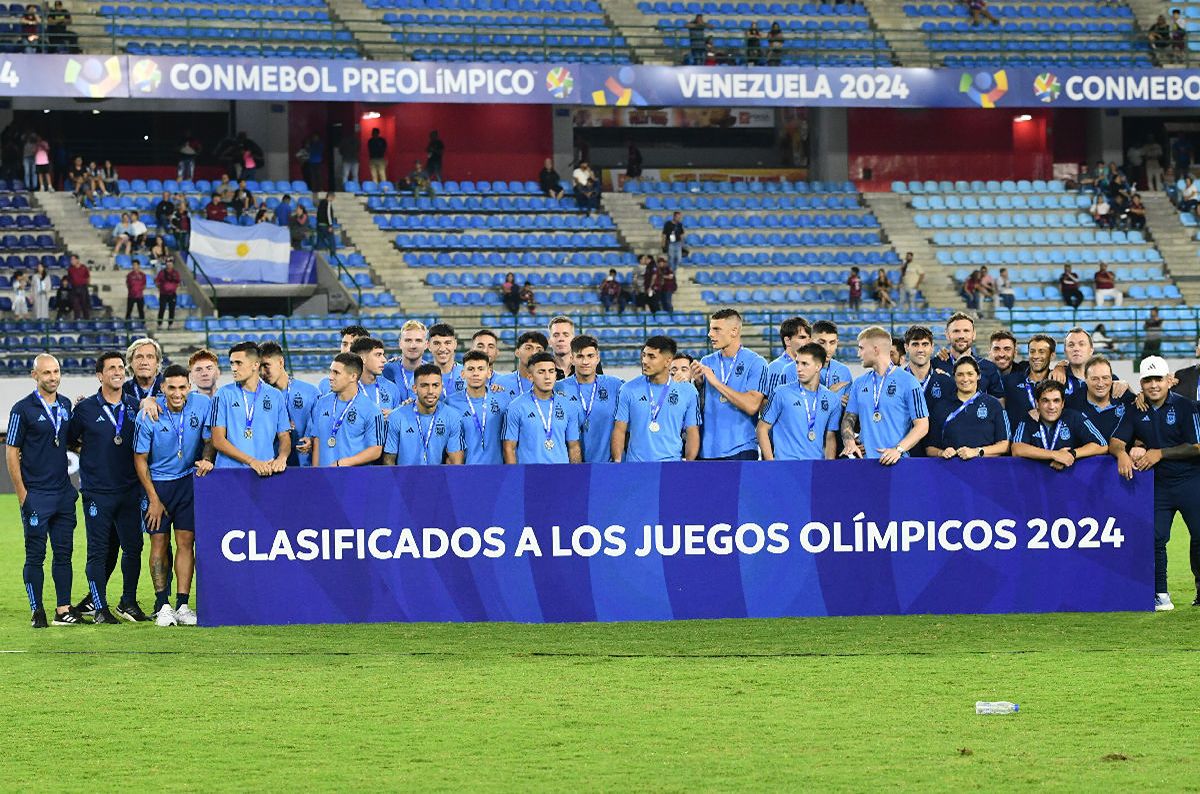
<point>261,415</point>
<point>354,425</point>
<point>514,385</point>
<point>482,420</point>
<point>418,439</point>
<point>780,372</point>
<point>678,408</point>
<point>833,373</point>
<point>799,420</point>
<point>525,423</point>
<point>174,442</point>
<point>900,401</point>
<point>453,387</point>
<point>402,378</point>
<point>383,394</point>
<point>323,387</point>
<point>727,430</point>
<point>597,407</point>
<point>300,399</point>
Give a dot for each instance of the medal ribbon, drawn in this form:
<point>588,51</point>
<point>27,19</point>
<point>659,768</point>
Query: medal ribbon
<point>1053,439</point>
<point>810,411</point>
<point>877,384</point>
<point>52,411</point>
<point>118,421</point>
<point>425,435</point>
<point>251,404</point>
<point>547,421</point>
<point>177,428</point>
<point>587,406</point>
<point>954,414</point>
<point>337,423</point>
<point>732,366</point>
<point>480,424</point>
<point>657,404</point>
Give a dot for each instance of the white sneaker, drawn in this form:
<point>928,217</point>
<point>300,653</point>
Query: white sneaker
<point>1162,602</point>
<point>185,616</point>
<point>165,616</point>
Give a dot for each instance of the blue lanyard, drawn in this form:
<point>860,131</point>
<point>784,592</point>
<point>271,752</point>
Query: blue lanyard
<point>587,406</point>
<point>954,414</point>
<point>928,376</point>
<point>732,366</point>
<point>877,384</point>
<point>118,421</point>
<point>53,411</point>
<point>480,424</point>
<point>251,405</point>
<point>810,410</point>
<point>177,428</point>
<point>425,435</point>
<point>1050,445</point>
<point>547,421</point>
<point>337,423</point>
<point>656,404</point>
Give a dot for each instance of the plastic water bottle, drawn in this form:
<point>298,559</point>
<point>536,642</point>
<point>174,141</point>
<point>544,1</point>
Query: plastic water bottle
<point>996,707</point>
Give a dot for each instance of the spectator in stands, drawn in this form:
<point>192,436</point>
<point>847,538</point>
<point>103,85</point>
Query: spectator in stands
<point>377,156</point>
<point>1159,34</point>
<point>79,278</point>
<point>510,293</point>
<point>96,179</point>
<point>62,299</point>
<point>754,45</point>
<point>912,275</point>
<point>1101,341</point>
<point>1068,284</point>
<point>987,291</point>
<point>711,56</point>
<point>187,156</point>
<point>215,210</point>
<point>435,150</point>
<point>970,291</point>
<point>182,223</point>
<point>167,282</point>
<point>298,227</point>
<point>612,293</point>
<point>1136,213</point>
<point>665,285</point>
<point>77,181</point>
<point>633,160</point>
<point>243,199</point>
<point>1004,289</point>
<point>587,187</point>
<point>672,238</point>
<point>856,287</point>
<point>648,298</point>
<point>1105,282</point>
<point>1181,155</point>
<point>244,143</point>
<point>1190,197</point>
<point>110,179</point>
<point>59,36</point>
<point>419,182</point>
<point>164,212</point>
<point>1178,36</point>
<point>528,298</point>
<point>775,45</point>
<point>1135,160</point>
<point>1101,210</point>
<point>283,210</point>
<point>263,215</point>
<point>41,160</point>
<point>249,164</point>
<point>28,152</point>
<point>349,148</point>
<point>31,29</point>
<point>1152,153</point>
<point>226,188</point>
<point>137,230</point>
<point>326,220</point>
<point>20,298</point>
<point>697,33</point>
<point>883,290</point>
<point>42,287</point>
<point>1152,331</point>
<point>159,253</point>
<point>549,181</point>
<point>135,291</point>
<point>312,160</point>
<point>122,238</point>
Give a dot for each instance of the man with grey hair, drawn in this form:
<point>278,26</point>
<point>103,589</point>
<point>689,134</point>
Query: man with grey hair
<point>143,358</point>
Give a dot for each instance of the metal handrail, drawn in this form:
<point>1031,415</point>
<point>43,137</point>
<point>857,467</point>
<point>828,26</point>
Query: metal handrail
<point>197,269</point>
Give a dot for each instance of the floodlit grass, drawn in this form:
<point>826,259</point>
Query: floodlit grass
<point>846,703</point>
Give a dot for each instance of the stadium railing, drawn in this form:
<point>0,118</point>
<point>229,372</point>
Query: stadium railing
<point>1125,326</point>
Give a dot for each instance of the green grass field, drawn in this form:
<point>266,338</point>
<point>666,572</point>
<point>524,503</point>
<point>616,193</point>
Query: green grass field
<point>1106,700</point>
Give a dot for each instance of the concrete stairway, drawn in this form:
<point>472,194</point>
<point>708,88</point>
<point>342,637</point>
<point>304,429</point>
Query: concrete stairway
<point>645,44</point>
<point>636,233</point>
<point>1176,243</point>
<point>897,222</point>
<point>80,238</point>
<point>371,34</point>
<point>386,263</point>
<point>903,33</point>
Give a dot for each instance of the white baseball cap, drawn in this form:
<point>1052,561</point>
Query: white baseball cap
<point>1154,367</point>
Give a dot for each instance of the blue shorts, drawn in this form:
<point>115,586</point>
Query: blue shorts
<point>177,498</point>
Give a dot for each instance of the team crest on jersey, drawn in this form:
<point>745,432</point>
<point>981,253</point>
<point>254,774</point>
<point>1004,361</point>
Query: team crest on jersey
<point>439,428</point>
<point>673,397</point>
<point>824,404</point>
<point>195,422</point>
<point>602,393</point>
<point>1120,411</point>
<point>266,403</point>
<point>495,407</point>
<point>936,391</point>
<point>559,413</point>
<point>1170,416</point>
<point>93,511</point>
<point>739,369</point>
<point>298,402</point>
<point>1064,433</point>
<point>352,417</point>
<point>981,412</point>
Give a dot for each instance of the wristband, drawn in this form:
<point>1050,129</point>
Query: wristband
<point>1074,454</point>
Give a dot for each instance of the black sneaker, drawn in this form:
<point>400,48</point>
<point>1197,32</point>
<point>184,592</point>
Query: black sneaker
<point>104,616</point>
<point>1196,603</point>
<point>86,607</point>
<point>69,618</point>
<point>132,612</point>
<point>39,619</point>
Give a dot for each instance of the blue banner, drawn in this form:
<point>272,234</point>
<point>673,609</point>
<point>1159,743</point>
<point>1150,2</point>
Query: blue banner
<point>670,541</point>
<point>601,85</point>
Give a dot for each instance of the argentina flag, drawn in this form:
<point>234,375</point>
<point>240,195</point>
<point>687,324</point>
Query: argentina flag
<point>242,254</point>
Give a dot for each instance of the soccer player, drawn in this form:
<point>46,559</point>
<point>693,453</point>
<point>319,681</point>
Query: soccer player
<point>518,382</point>
<point>1004,354</point>
<point>936,385</point>
<point>1019,387</point>
<point>597,396</point>
<point>36,454</point>
<point>801,419</point>
<point>102,431</point>
<point>1078,348</point>
<point>562,331</point>
<point>681,368</point>
<point>539,425</point>
<point>734,379</point>
<point>380,391</point>
<point>205,371</point>
<point>443,343</point>
<point>898,351</point>
<point>167,451</point>
<point>299,400</point>
<point>657,416</point>
<point>886,405</point>
<point>249,422</point>
<point>1169,429</point>
<point>346,428</point>
<point>144,357</point>
<point>794,333</point>
<point>488,343</point>
<point>349,334</point>
<point>836,375</point>
<point>413,344</point>
<point>425,433</point>
<point>1059,435</point>
<point>971,424</point>
<point>483,411</point>
<point>960,333</point>
<point>1102,408</point>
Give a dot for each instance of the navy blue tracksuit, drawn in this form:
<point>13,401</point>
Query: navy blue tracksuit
<point>112,495</point>
<point>39,430</point>
<point>1176,482</point>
